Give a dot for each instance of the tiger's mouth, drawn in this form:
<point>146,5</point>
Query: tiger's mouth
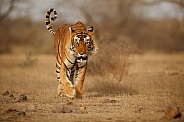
<point>82,59</point>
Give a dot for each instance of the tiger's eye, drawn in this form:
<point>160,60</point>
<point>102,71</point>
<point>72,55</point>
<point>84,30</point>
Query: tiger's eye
<point>76,40</point>
<point>86,39</point>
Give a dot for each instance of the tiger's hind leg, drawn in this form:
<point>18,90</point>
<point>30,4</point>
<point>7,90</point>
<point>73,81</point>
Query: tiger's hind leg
<point>60,88</point>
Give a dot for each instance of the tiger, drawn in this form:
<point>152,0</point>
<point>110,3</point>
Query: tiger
<point>72,44</point>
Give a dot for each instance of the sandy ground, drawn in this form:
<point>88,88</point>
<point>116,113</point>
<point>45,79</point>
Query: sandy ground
<point>152,82</point>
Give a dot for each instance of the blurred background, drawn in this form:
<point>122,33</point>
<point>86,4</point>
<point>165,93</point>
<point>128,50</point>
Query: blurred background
<point>140,25</point>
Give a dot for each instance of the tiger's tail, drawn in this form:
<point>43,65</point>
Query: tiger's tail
<point>47,20</point>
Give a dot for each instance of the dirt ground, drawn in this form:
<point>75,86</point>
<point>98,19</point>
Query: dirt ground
<point>152,82</point>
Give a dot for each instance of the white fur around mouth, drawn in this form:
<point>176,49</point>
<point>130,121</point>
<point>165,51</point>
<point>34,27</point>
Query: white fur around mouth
<point>82,59</point>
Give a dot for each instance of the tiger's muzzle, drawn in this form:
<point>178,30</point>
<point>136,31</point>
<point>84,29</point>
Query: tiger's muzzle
<point>82,57</point>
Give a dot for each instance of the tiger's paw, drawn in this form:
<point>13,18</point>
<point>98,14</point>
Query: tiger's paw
<point>70,92</point>
<point>78,93</point>
<point>60,90</point>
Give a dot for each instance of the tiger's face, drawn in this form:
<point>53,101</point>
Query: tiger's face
<point>82,45</point>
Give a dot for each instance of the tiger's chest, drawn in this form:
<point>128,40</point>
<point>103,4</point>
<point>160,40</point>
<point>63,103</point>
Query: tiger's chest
<point>73,72</point>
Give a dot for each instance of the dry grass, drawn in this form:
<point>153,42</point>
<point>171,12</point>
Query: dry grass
<point>151,82</point>
<point>110,86</point>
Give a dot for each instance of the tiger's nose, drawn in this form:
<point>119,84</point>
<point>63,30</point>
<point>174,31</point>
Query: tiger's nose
<point>81,53</point>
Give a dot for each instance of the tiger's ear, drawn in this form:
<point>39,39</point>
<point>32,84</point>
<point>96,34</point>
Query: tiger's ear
<point>91,30</point>
<point>71,30</point>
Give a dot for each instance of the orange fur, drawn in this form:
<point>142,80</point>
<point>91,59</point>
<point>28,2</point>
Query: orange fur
<point>73,44</point>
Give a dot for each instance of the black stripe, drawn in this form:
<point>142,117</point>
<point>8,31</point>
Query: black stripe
<point>72,71</point>
<point>58,50</point>
<point>49,28</point>
<point>47,23</point>
<point>57,71</point>
<point>77,74</point>
<point>68,76</point>
<point>68,59</point>
<point>47,16</point>
<point>48,12</point>
<point>58,77</point>
<point>66,66</point>
<point>51,10</point>
<point>71,76</point>
<point>81,66</point>
<point>59,56</point>
<point>57,66</point>
<point>58,62</point>
<point>55,12</point>
<point>52,18</point>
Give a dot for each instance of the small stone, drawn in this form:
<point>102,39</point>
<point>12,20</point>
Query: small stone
<point>11,95</point>
<point>113,101</point>
<point>62,110</point>
<point>79,111</point>
<point>106,101</point>
<point>6,93</point>
<point>109,101</point>
<point>21,107</point>
<point>66,110</point>
<point>22,113</point>
<point>69,103</point>
<point>172,112</point>
<point>83,108</point>
<point>22,98</point>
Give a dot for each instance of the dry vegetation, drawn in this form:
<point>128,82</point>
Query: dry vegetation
<point>152,81</point>
<point>120,26</point>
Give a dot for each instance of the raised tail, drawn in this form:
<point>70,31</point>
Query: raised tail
<point>47,20</point>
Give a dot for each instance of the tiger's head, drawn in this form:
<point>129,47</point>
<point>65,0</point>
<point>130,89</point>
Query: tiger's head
<point>82,42</point>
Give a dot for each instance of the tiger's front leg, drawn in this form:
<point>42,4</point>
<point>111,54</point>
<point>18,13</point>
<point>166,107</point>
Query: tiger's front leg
<point>67,86</point>
<point>79,80</point>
